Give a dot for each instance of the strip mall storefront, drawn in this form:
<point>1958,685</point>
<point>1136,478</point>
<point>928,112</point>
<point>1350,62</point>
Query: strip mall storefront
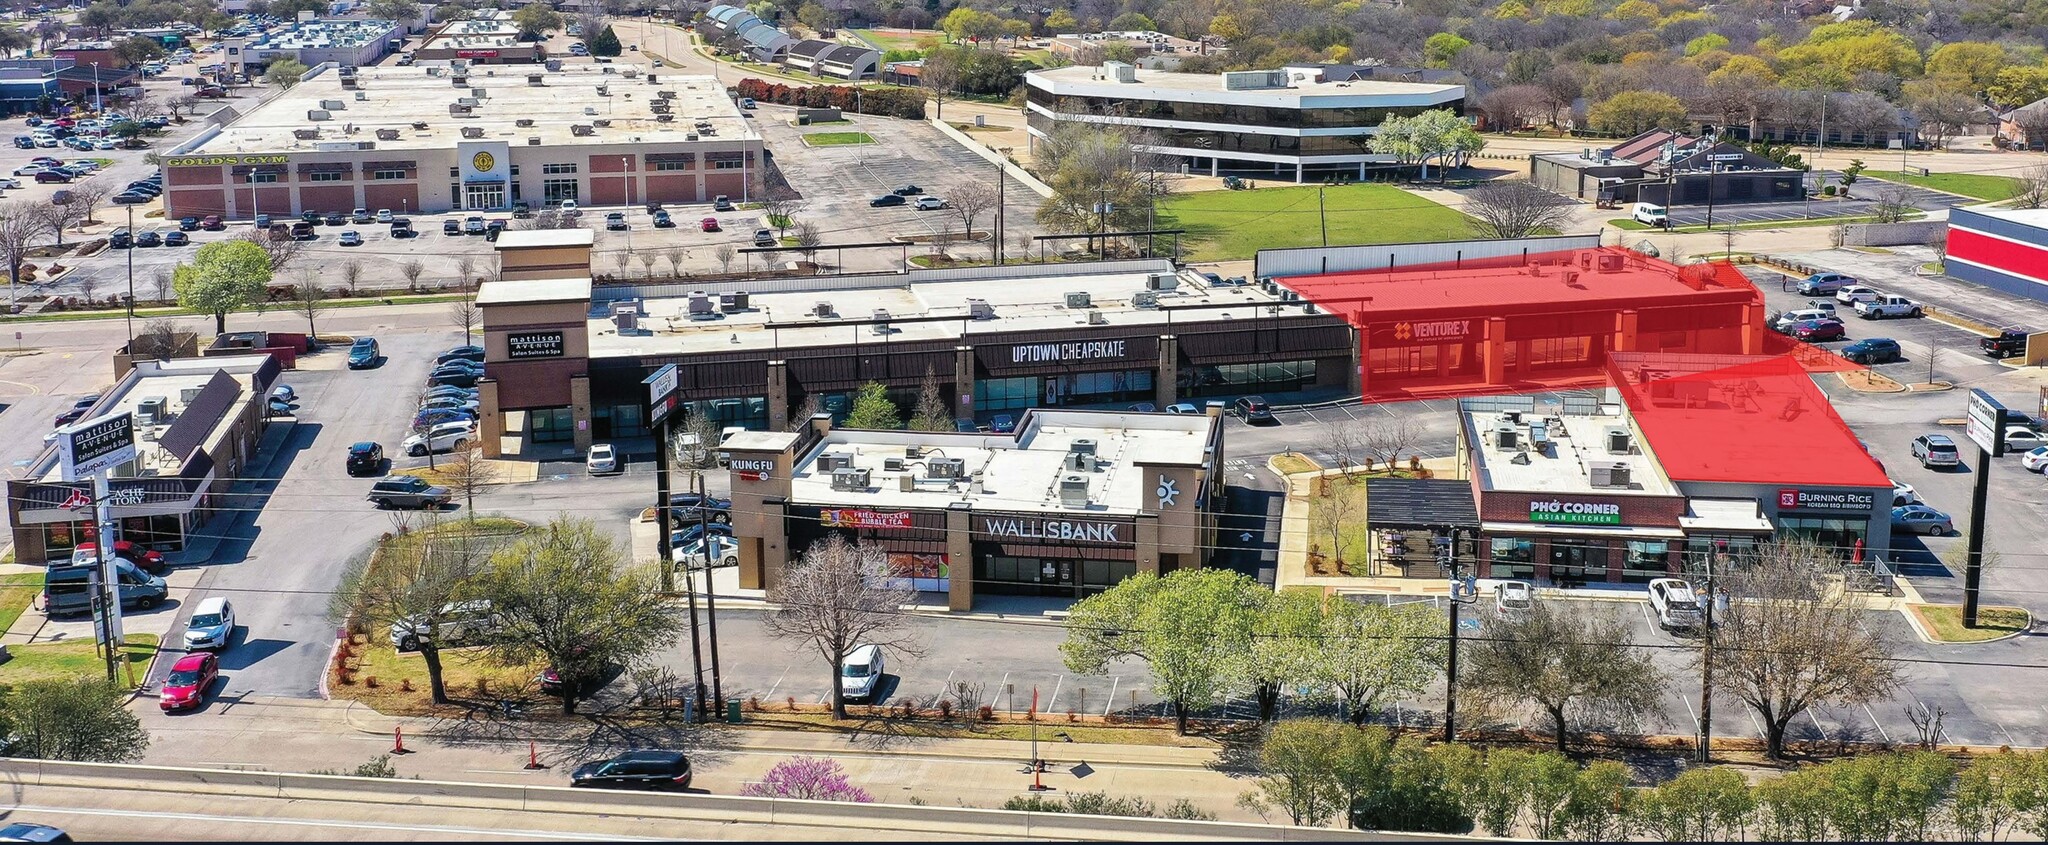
<point>1580,538</point>
<point>1009,554</point>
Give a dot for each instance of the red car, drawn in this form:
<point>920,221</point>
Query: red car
<point>709,224</point>
<point>1818,330</point>
<point>186,687</point>
<point>147,560</point>
<point>211,223</point>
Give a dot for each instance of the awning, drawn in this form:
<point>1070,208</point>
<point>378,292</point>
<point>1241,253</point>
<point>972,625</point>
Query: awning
<point>1724,515</point>
<point>1419,503</point>
<point>1622,531</point>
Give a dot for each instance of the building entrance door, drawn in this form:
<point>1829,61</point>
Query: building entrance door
<point>483,195</point>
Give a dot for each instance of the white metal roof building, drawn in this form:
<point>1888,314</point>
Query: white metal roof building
<point>1272,123</point>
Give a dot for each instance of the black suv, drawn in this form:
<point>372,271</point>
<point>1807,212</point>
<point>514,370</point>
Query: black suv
<point>636,770</point>
<point>365,458</point>
<point>408,491</point>
<point>1253,409</point>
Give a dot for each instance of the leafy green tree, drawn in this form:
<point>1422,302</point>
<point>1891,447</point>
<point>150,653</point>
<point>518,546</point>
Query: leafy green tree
<point>126,129</point>
<point>1370,654</point>
<point>1601,803</point>
<point>535,20</point>
<point>1571,662</point>
<point>606,43</point>
<point>1887,797</point>
<point>968,24</point>
<point>565,595</point>
<point>1701,805</point>
<point>1132,22</point>
<point>1299,762</point>
<point>137,49</point>
<point>873,410</point>
<point>1423,791</point>
<point>82,719</point>
<point>1498,789</point>
<point>1551,780</point>
<point>416,581</point>
<point>1440,49</point>
<point>223,276</point>
<point>1439,134</point>
<point>1061,21</point>
<point>1855,46</point>
<point>285,73</point>
<point>2018,86</point>
<point>397,10</point>
<point>1284,646</point>
<point>1977,63</point>
<point>1704,43</point>
<point>1192,628</point>
<point>1630,112</point>
<point>1794,806</point>
<point>2027,793</point>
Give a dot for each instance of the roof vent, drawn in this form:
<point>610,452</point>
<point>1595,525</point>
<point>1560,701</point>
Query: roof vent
<point>472,132</point>
<point>822,309</point>
<point>387,134</point>
<point>979,309</point>
<point>1097,318</point>
<point>581,130</point>
<point>1074,492</point>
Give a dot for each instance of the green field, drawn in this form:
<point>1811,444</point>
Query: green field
<point>1226,225</point>
<point>837,139</point>
<point>1980,186</point>
<point>71,659</point>
<point>886,41</point>
<point>16,591</point>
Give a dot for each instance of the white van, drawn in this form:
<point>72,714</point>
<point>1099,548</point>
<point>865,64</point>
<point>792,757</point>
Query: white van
<point>861,672</point>
<point>1651,214</point>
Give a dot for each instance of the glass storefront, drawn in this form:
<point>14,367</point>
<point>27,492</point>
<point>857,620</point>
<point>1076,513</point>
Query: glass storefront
<point>1099,388</point>
<point>1513,557</point>
<point>1006,394</point>
<point>1031,576</point>
<point>746,411</point>
<point>1576,562</point>
<point>1646,559</point>
<point>550,425</point>
<point>1238,379</point>
<point>1843,535</point>
<point>617,421</point>
<point>1232,114</point>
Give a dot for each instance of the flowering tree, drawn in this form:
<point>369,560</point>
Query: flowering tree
<point>812,778</point>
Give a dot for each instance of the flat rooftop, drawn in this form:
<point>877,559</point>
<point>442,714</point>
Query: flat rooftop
<point>397,97</point>
<point>1019,472</point>
<point>1584,279</point>
<point>338,32</point>
<point>1167,85</point>
<point>1025,297</point>
<point>1741,419</point>
<point>1565,459</point>
<point>170,381</point>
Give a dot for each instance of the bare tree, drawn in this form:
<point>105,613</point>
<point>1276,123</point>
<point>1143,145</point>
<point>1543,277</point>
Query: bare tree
<point>466,472</point>
<point>840,595</point>
<point>807,240</point>
<point>465,271</point>
<point>18,231</point>
<point>726,253</point>
<point>1385,439</point>
<point>159,281</point>
<point>1940,247</point>
<point>414,586</point>
<point>158,339</point>
<point>87,287</point>
<point>930,412</point>
<point>86,197</point>
<point>1893,202</point>
<point>647,259</point>
<point>940,76</point>
<point>351,275</point>
<point>283,252</point>
<point>675,257</point>
<point>811,407</point>
<point>2032,190</point>
<point>466,315</point>
<point>1505,208</point>
<point>1343,444</point>
<point>1332,513</point>
<point>778,207</point>
<point>1569,660</point>
<point>970,201</point>
<point>309,300</point>
<point>412,268</point>
<point>1791,637</point>
<point>52,217</point>
<point>188,104</point>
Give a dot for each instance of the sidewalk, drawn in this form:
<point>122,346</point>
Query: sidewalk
<point>280,734</point>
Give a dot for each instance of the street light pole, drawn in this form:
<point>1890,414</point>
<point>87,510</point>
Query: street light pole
<point>131,281</point>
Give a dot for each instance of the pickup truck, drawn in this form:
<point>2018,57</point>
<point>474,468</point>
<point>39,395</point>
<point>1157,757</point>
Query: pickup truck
<point>1887,305</point>
<point>2010,343</point>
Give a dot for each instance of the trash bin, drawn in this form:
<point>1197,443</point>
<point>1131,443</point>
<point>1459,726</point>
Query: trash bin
<point>732,711</point>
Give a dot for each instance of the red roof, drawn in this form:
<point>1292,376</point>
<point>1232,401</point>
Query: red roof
<point>1744,419</point>
<point>1539,282</point>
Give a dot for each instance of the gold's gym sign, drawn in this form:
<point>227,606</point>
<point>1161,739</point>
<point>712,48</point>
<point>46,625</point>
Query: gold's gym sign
<point>483,162</point>
<point>216,161</point>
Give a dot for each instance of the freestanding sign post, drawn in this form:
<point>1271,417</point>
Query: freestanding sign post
<point>93,448</point>
<point>1985,425</point>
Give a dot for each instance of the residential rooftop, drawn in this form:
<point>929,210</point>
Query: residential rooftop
<point>1017,472</point>
<point>784,312</point>
<point>402,100</point>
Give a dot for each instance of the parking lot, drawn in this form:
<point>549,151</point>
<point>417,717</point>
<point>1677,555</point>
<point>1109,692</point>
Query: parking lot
<point>1863,199</point>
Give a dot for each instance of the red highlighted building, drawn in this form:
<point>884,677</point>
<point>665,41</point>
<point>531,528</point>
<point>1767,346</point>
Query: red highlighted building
<point>1533,321</point>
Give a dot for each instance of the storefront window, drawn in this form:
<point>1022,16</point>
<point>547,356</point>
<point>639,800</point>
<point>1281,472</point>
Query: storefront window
<point>617,421</point>
<point>1006,394</point>
<point>750,411</point>
<point>164,532</point>
<point>1093,388</point>
<point>61,537</point>
<point>1513,557</point>
<point>1646,560</point>
<point>1560,352</point>
<point>554,191</point>
<point>1841,535</point>
<point>1722,553</point>
<point>1235,379</point>
<point>551,425</point>
<point>1030,576</point>
<point>1575,562</point>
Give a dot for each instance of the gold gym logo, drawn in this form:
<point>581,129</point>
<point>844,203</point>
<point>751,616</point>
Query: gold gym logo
<point>483,162</point>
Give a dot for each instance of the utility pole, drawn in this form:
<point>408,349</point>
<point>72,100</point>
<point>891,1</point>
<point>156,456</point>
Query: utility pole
<point>1448,558</point>
<point>1001,183</point>
<point>1706,731</point>
<point>710,602</point>
<point>1323,214</point>
<point>131,281</point>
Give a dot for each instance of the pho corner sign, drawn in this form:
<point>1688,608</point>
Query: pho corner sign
<point>524,345</point>
<point>1575,513</point>
<point>1984,423</point>
<point>96,444</point>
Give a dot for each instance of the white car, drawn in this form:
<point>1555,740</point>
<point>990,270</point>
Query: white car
<point>570,207</point>
<point>725,551</point>
<point>929,203</point>
<point>1513,596</point>
<point>1675,603</point>
<point>9,184</point>
<point>1852,294</point>
<point>1904,494</point>
<point>2035,459</point>
<point>602,459</point>
<point>2021,439</point>
<point>444,437</point>
<point>105,144</point>
<point>211,626</point>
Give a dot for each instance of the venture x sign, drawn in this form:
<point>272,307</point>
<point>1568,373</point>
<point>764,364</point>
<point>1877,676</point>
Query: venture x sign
<point>1575,513</point>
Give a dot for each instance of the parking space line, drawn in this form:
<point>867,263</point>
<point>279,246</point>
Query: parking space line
<point>778,681</point>
<point>1753,721</point>
<point>1877,724</point>
<point>947,684</point>
<point>1003,685</point>
<point>1056,684</point>
<point>1810,714</point>
<point>2008,734</point>
<point>1115,681</point>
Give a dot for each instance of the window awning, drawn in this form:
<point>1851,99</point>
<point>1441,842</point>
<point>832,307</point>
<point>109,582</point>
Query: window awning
<point>1625,532</point>
<point>1724,515</point>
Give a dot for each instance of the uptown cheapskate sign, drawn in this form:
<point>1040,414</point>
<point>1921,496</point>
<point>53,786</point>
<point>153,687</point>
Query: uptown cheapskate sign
<point>1090,350</point>
<point>1575,513</point>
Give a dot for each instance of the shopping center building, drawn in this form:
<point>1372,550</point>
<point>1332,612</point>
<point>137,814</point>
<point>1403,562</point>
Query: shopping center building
<point>1067,505</point>
<point>434,139</point>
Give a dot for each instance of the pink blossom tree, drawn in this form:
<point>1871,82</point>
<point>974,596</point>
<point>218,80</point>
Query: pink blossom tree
<point>813,778</point>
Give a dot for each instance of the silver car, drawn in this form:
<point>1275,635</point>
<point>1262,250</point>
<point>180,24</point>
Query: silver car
<point>1921,519</point>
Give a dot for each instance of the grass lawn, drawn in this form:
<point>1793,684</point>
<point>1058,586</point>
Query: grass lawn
<point>1978,185</point>
<point>1293,462</point>
<point>900,40</point>
<point>71,659</point>
<point>1946,622</point>
<point>837,139</point>
<point>1225,225</point>
<point>16,591</point>
<point>1628,225</point>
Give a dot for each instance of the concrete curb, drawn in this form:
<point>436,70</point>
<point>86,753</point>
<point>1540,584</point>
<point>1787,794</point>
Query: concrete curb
<point>993,157</point>
<point>1920,628</point>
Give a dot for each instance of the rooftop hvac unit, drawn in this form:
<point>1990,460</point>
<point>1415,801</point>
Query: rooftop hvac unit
<point>729,303</point>
<point>1617,441</point>
<point>1506,436</point>
<point>582,130</point>
<point>849,478</point>
<point>626,321</point>
<point>700,302</point>
<point>536,80</point>
<point>1097,318</point>
<point>319,114</point>
<point>892,464</point>
<point>590,110</point>
<point>664,117</point>
<point>533,141</point>
<point>471,102</point>
<point>601,123</point>
<point>1078,462</point>
<point>1082,446</point>
<point>1606,474</point>
<point>1539,436</point>
<point>979,309</point>
<point>1162,281</point>
<point>523,122</point>
<point>945,468</point>
<point>1611,263</point>
<point>188,394</point>
<point>741,300</point>
<point>913,452</point>
<point>906,483</point>
<point>1145,299</point>
<point>822,309</point>
<point>306,134</point>
<point>362,96</point>
<point>477,93</point>
<point>1077,299</point>
<point>881,319</point>
<point>333,105</point>
<point>1074,491</point>
<point>833,461</point>
<point>458,110</point>
<point>472,132</point>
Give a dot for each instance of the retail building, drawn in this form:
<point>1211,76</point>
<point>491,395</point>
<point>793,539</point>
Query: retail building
<point>1999,248</point>
<point>487,38</point>
<point>1291,123</point>
<point>436,139</point>
<point>1067,505</point>
<point>1668,169</point>
<point>197,425</point>
<point>346,42</point>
